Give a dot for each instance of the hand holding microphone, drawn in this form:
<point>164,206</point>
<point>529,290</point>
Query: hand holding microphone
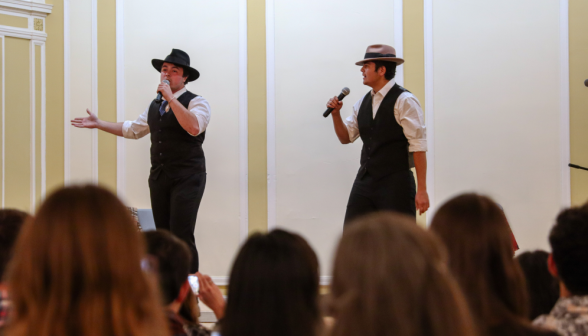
<point>335,102</point>
<point>159,94</point>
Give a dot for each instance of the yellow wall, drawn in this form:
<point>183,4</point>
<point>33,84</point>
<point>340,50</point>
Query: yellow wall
<point>579,99</point>
<point>18,124</point>
<point>414,54</point>
<point>38,123</point>
<point>257,114</point>
<point>107,91</point>
<point>14,21</point>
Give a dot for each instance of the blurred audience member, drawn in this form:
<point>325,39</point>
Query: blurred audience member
<point>173,264</point>
<point>390,278</point>
<point>542,288</point>
<point>77,271</point>
<point>273,288</point>
<point>478,239</point>
<point>569,263</point>
<point>11,221</point>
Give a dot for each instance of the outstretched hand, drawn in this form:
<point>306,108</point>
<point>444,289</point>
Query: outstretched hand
<point>88,122</point>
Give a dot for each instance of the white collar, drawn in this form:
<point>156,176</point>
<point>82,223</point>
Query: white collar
<point>384,90</point>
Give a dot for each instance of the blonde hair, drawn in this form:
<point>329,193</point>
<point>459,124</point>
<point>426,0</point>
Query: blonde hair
<point>390,278</point>
<point>77,271</point>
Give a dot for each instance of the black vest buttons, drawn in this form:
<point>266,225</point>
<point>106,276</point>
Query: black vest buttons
<point>160,142</point>
<point>160,154</point>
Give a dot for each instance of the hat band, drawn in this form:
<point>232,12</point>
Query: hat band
<point>378,55</point>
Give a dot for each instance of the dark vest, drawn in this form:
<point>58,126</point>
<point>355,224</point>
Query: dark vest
<point>385,148</point>
<point>173,150</point>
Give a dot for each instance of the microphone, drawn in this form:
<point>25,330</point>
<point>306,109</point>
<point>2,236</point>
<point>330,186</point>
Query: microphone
<point>159,96</point>
<point>342,95</point>
<point>571,165</point>
<point>586,82</point>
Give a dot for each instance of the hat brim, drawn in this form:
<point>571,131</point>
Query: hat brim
<point>397,60</point>
<point>193,74</point>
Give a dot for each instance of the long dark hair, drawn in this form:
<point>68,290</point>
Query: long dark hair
<point>542,287</point>
<point>391,279</point>
<point>273,288</point>
<point>478,238</point>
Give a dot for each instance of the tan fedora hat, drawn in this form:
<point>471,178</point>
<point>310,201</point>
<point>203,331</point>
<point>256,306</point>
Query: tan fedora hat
<point>380,52</point>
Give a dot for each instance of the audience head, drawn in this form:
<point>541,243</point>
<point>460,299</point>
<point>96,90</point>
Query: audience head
<point>173,264</point>
<point>569,245</point>
<point>76,270</point>
<point>273,288</point>
<point>542,288</point>
<point>478,238</point>
<point>391,277</point>
<point>11,221</point>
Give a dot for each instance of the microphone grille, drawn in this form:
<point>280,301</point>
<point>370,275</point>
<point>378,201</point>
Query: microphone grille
<point>345,91</point>
<point>165,81</point>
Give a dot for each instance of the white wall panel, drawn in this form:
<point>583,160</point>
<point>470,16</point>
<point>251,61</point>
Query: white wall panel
<point>316,46</point>
<point>497,108</point>
<point>80,97</point>
<point>208,31</point>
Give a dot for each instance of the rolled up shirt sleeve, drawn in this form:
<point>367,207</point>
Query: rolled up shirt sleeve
<point>201,109</point>
<point>351,122</point>
<point>409,115</point>
<point>136,129</point>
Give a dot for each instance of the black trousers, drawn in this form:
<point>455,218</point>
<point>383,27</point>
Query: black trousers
<point>395,192</point>
<point>175,203</point>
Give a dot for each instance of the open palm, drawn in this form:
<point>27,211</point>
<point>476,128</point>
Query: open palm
<point>88,122</point>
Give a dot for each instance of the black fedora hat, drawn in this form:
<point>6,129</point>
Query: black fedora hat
<point>178,57</point>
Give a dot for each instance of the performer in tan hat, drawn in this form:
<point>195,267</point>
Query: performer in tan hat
<point>389,120</point>
<point>177,124</point>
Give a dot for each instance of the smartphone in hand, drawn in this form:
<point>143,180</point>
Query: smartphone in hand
<point>194,284</point>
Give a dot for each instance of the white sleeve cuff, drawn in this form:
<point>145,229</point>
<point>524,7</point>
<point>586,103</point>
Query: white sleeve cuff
<point>126,130</point>
<point>417,145</point>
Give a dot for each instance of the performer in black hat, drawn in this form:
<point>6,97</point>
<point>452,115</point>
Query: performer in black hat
<point>178,127</point>
<point>390,122</point>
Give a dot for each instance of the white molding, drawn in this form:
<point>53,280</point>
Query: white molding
<point>121,180</point>
<point>399,38</point>
<point>243,125</point>
<point>43,122</point>
<point>220,280</point>
<point>429,106</point>
<point>24,33</point>
<point>271,113</point>
<point>95,88</point>
<point>325,280</point>
<point>66,93</point>
<point>3,122</point>
<point>564,122</point>
<point>33,128</point>
<point>9,12</point>
<point>26,7</point>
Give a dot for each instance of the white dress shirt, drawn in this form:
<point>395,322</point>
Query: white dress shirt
<point>198,106</point>
<point>408,114</point>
